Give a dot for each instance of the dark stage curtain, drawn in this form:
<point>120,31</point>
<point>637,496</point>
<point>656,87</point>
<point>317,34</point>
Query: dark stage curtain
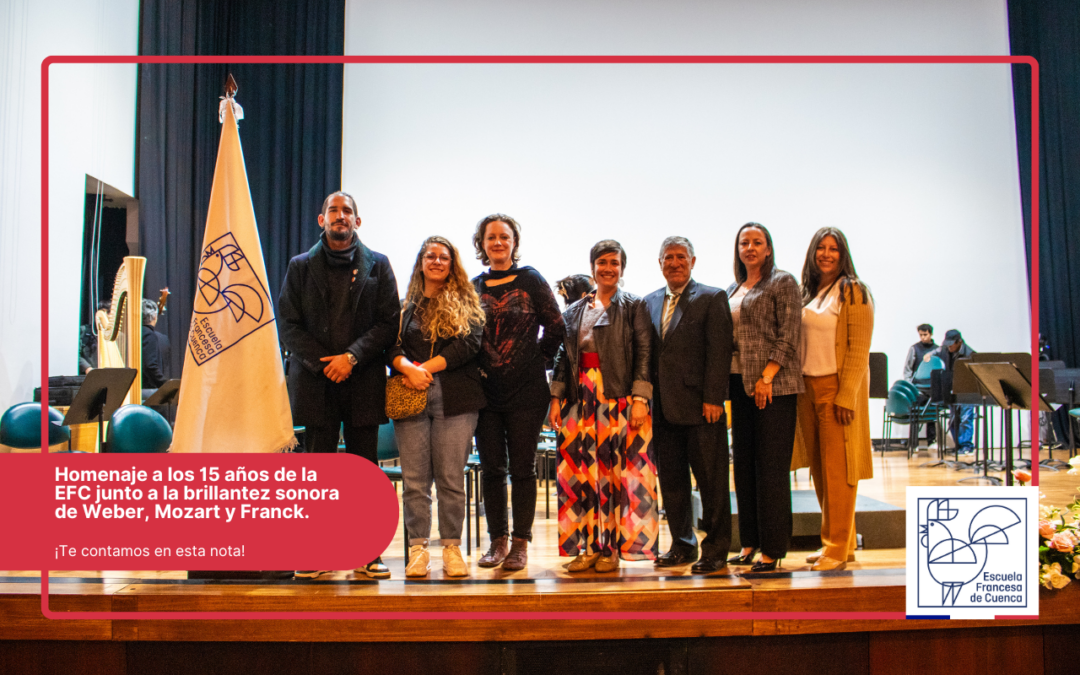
<point>291,133</point>
<point>1049,30</point>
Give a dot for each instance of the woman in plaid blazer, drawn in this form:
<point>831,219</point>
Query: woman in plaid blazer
<point>766,379</point>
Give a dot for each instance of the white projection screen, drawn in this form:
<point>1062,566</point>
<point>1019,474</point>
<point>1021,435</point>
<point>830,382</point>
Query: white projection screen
<point>915,163</point>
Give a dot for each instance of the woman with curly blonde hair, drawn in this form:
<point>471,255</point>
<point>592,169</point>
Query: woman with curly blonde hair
<point>441,328</point>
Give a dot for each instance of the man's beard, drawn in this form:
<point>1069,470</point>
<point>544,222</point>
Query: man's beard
<point>339,235</point>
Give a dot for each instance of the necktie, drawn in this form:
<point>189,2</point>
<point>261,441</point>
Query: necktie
<point>669,309</point>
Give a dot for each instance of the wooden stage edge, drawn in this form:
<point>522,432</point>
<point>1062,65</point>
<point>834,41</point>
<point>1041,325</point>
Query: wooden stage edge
<point>851,592</point>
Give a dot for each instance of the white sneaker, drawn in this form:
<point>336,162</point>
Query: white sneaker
<point>419,561</point>
<point>452,562</point>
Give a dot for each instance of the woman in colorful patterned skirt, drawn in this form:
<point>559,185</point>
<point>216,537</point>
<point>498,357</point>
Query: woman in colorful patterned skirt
<point>600,396</point>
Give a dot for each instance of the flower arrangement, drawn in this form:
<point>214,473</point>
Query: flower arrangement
<point>1059,545</point>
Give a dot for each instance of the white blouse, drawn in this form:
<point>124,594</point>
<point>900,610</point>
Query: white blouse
<point>735,301</point>
<point>818,347</point>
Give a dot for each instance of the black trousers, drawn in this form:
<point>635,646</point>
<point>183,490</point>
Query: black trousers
<point>703,449</point>
<point>506,443</point>
<point>362,441</point>
<point>762,442</point>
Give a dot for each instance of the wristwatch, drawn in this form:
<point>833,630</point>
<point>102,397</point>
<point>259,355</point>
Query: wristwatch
<point>767,379</point>
<point>352,359</point>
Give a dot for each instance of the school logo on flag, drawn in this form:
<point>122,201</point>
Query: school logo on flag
<point>227,287</point>
<point>233,396</point>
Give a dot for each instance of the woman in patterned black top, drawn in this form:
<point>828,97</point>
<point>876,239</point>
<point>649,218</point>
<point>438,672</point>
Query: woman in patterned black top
<point>517,302</point>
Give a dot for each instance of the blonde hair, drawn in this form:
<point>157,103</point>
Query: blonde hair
<point>455,309</point>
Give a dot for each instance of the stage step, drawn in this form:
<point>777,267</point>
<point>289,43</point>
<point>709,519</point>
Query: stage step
<point>880,525</point>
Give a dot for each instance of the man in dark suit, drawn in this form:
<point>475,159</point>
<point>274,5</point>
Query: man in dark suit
<point>691,364</point>
<point>338,314</point>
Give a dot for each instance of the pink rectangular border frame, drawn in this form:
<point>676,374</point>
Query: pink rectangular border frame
<point>661,616</point>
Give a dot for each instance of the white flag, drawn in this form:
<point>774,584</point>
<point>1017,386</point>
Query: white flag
<point>232,394</point>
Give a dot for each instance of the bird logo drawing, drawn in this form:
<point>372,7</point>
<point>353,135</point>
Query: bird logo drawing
<point>954,561</point>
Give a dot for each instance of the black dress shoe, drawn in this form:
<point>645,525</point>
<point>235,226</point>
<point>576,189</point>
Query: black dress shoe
<point>747,559</point>
<point>708,564</point>
<point>676,558</point>
<point>761,566</point>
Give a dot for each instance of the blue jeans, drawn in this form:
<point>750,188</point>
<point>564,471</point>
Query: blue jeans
<point>435,449</point>
<point>962,426</point>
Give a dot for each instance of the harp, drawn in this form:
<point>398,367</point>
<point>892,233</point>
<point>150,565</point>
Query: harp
<point>120,329</point>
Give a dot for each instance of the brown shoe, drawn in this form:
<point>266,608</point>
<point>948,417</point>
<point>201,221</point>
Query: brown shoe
<point>583,562</point>
<point>827,564</point>
<point>518,557</point>
<point>814,557</point>
<point>496,553</point>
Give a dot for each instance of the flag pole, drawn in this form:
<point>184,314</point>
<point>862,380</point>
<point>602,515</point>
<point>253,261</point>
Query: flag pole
<point>233,393</point>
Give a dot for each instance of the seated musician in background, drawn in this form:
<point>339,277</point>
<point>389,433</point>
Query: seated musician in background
<point>914,358</point>
<point>917,351</point>
<point>155,348</point>
<point>961,417</point>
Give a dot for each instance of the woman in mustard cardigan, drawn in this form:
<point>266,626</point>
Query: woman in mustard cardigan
<point>834,417</point>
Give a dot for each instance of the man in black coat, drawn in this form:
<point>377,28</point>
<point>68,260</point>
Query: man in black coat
<point>338,313</point>
<point>690,366</point>
<point>155,349</point>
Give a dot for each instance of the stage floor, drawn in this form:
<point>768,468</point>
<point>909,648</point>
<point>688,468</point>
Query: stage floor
<point>874,583</point>
<point>892,474</point>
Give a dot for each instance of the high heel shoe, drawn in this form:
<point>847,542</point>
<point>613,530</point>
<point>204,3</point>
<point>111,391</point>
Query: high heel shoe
<point>762,566</point>
<point>740,559</point>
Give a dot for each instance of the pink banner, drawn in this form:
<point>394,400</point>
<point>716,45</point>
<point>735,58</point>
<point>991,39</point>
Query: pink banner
<point>194,512</point>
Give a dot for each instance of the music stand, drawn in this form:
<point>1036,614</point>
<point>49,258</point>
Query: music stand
<point>1058,385</point>
<point>1022,361</point>
<point>879,384</point>
<point>940,392</point>
<point>961,388</point>
<point>101,395</point>
<point>167,394</point>
<point>1010,390</point>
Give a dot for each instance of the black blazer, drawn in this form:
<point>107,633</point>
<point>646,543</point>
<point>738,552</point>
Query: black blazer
<point>462,391</point>
<point>304,323</point>
<point>155,358</point>
<point>691,366</point>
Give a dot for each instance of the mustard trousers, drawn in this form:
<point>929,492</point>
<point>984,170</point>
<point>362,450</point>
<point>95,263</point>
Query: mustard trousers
<point>824,438</point>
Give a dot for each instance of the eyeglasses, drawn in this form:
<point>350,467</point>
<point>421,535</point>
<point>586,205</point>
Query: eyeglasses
<point>431,257</point>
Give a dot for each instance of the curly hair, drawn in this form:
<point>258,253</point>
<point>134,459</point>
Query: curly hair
<point>481,232</point>
<point>455,309</point>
